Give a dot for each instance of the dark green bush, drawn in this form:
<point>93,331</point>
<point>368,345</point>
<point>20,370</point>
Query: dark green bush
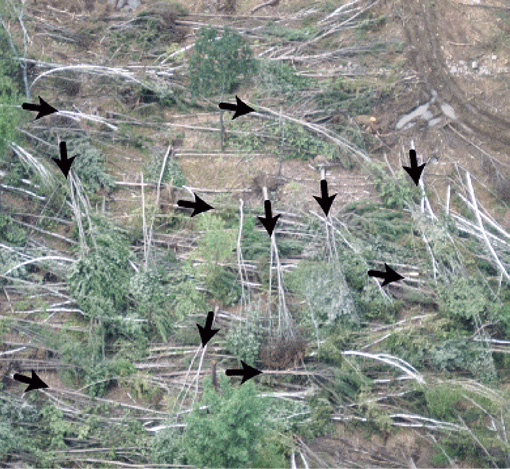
<point>11,232</point>
<point>89,165</point>
<point>218,65</point>
<point>233,431</point>
<point>465,299</point>
<point>99,280</point>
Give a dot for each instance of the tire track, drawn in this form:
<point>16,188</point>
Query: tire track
<point>423,33</point>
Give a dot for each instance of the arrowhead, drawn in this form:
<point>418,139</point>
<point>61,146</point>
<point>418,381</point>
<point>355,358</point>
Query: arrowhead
<point>65,165</point>
<point>200,206</point>
<point>325,202</point>
<point>269,223</point>
<point>45,109</point>
<point>415,173</point>
<point>391,276</point>
<point>37,383</point>
<point>249,372</point>
<point>242,109</point>
<point>206,334</point>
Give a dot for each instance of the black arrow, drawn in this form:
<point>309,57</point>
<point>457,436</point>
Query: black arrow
<point>247,372</point>
<point>198,206</point>
<point>206,333</point>
<point>389,276</point>
<point>33,383</point>
<point>268,221</point>
<point>414,170</point>
<point>43,108</point>
<point>240,108</point>
<point>325,201</point>
<point>64,163</point>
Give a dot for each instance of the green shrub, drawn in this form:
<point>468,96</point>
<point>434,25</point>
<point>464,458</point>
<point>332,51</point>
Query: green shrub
<point>302,144</point>
<point>326,291</point>
<point>320,422</point>
<point>371,305</point>
<point>15,422</point>
<point>350,97</point>
<point>229,435</point>
<point>216,247</point>
<point>89,165</point>
<point>187,299</point>
<point>349,382</point>
<point>11,232</point>
<point>441,400</point>
<point>462,354</point>
<point>255,247</point>
<point>245,338</point>
<point>152,301</point>
<point>217,65</point>
<point>395,192</point>
<point>464,298</point>
<point>172,173</point>
<point>277,78</point>
<point>10,115</point>
<point>55,426</point>
<point>290,34</point>
<point>99,280</point>
<point>233,431</point>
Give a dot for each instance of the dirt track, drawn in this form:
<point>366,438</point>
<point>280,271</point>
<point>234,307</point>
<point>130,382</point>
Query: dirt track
<point>425,26</point>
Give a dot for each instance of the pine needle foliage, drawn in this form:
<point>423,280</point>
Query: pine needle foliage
<point>218,64</point>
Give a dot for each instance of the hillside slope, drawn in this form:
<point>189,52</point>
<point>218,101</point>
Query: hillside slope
<point>104,277</point>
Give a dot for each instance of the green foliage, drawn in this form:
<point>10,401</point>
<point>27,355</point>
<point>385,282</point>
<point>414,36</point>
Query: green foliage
<point>274,448</point>
<point>300,143</point>
<point>172,173</point>
<point>348,97</point>
<point>289,34</point>
<point>245,338</point>
<point>354,269</point>
<point>278,78</point>
<point>459,353</point>
<point>369,303</point>
<point>89,165</point>
<point>288,141</point>
<point>255,247</point>
<point>9,68</point>
<point>100,375</point>
<point>9,95</point>
<point>441,400</point>
<point>14,422</point>
<point>187,298</point>
<point>349,382</point>
<point>216,247</point>
<point>230,434</point>
<point>233,431</point>
<point>56,428</point>
<point>448,352</point>
<point>312,280</point>
<point>464,298</point>
<point>152,300</point>
<point>11,232</point>
<point>320,422</point>
<point>395,192</point>
<point>217,65</point>
<point>99,280</point>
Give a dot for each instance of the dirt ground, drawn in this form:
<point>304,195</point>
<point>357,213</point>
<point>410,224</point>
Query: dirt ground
<point>453,104</point>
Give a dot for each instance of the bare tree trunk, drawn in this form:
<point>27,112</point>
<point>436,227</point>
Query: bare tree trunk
<point>222,132</point>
